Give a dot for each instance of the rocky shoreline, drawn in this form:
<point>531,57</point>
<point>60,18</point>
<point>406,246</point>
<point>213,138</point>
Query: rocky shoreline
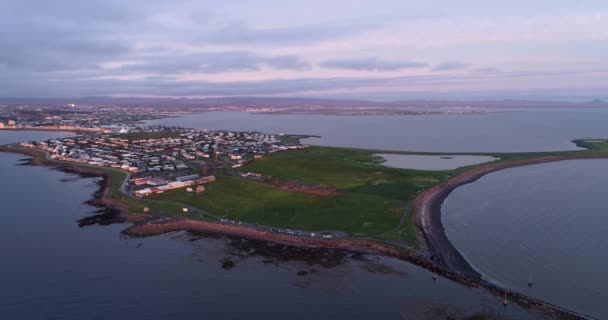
<point>436,255</point>
<point>99,199</point>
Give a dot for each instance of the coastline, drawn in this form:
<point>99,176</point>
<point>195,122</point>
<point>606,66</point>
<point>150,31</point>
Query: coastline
<point>99,199</point>
<point>427,213</point>
<point>435,244</point>
<point>60,129</point>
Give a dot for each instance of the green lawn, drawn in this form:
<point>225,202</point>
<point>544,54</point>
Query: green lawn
<point>594,145</point>
<point>371,200</point>
<point>287,139</point>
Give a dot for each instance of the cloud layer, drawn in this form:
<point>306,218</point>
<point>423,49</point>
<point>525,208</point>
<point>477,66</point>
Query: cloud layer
<point>371,64</point>
<point>194,48</point>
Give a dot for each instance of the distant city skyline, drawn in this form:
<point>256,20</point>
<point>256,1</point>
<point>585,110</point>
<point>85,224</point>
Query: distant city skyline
<point>374,50</point>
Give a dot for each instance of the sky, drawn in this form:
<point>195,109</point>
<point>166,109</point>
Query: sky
<point>376,50</point>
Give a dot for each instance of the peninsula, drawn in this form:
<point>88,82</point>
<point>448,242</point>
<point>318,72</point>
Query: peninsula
<point>271,187</point>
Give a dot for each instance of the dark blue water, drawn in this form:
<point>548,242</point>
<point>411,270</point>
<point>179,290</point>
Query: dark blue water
<point>534,130</point>
<point>546,223</point>
<point>53,269</point>
<point>10,136</point>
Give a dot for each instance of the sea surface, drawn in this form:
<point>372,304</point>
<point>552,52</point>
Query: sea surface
<point>507,131</point>
<point>546,224</point>
<point>50,268</point>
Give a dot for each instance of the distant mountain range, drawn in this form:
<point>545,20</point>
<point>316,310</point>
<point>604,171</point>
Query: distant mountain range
<point>294,104</point>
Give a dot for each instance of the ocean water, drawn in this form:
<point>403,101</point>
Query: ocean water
<point>53,269</point>
<point>545,223</point>
<point>508,131</point>
<point>10,136</point>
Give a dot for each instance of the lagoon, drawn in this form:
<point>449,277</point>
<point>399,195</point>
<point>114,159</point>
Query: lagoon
<point>432,163</point>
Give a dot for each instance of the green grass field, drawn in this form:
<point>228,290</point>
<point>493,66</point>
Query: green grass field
<point>594,145</point>
<point>371,200</point>
<point>287,139</point>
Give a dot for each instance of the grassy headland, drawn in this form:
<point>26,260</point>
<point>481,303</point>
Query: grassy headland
<point>371,200</point>
<point>370,197</point>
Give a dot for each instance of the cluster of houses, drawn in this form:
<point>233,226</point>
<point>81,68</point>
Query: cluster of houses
<point>161,154</point>
<point>98,121</point>
<point>144,186</point>
<point>8,124</point>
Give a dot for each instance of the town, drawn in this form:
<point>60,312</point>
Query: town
<point>74,118</point>
<point>160,159</point>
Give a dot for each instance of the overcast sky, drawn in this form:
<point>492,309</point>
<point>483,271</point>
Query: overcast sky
<point>377,49</point>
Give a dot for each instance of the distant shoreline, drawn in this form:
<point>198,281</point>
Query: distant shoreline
<point>73,129</point>
<point>427,210</point>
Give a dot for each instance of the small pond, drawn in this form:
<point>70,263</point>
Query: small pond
<point>427,162</point>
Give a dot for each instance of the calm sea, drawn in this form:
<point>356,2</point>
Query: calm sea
<point>510,131</point>
<point>545,223</point>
